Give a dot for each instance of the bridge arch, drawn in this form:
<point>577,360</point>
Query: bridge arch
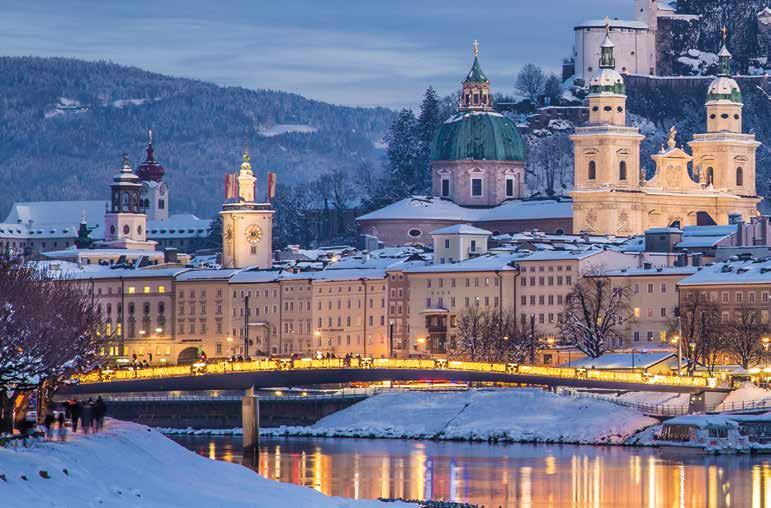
<point>187,356</point>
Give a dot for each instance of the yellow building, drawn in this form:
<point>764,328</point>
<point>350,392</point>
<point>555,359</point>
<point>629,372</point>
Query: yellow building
<point>613,196</point>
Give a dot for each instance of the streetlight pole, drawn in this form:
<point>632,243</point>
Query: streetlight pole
<point>391,323</point>
<point>246,326</point>
<point>532,339</point>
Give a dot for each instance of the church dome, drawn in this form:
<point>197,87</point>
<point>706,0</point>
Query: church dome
<point>478,135</point>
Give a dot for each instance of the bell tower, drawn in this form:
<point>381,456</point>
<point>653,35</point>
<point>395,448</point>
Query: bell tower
<point>125,223</point>
<point>247,226</point>
<point>724,157</point>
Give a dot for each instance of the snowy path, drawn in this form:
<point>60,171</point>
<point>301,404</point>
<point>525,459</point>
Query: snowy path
<point>130,465</point>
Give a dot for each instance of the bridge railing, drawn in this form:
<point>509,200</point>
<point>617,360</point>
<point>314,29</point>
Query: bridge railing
<point>282,364</point>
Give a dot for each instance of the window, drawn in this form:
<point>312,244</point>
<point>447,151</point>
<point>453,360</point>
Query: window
<point>414,233</point>
<point>146,289</point>
<point>592,170</point>
<point>476,187</point>
<point>710,176</point>
<point>739,177</point>
<point>447,244</point>
<point>509,187</point>
<point>473,245</point>
<point>161,289</point>
<point>445,187</point>
<point>131,290</point>
<point>622,170</point>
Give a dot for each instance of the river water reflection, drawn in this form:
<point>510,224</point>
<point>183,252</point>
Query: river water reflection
<point>518,475</point>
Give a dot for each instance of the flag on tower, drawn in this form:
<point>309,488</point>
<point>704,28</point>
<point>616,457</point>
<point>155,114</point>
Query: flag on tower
<point>231,186</point>
<point>271,186</point>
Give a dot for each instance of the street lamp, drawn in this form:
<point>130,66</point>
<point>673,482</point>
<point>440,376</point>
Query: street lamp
<point>676,340</point>
<point>391,324</point>
<point>765,350</point>
<point>532,339</point>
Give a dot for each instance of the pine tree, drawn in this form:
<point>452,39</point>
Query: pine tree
<point>428,123</point>
<point>402,154</point>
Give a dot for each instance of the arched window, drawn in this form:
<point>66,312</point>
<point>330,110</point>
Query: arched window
<point>739,176</point>
<point>710,176</point>
<point>125,204</point>
<point>161,204</point>
<point>592,170</point>
<point>622,170</point>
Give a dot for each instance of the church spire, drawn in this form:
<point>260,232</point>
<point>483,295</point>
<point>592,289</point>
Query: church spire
<point>607,60</point>
<point>724,67</point>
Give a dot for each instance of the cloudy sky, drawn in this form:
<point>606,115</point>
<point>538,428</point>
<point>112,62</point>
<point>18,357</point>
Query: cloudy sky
<point>356,52</point>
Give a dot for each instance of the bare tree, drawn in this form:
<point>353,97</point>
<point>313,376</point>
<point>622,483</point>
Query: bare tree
<point>744,336</point>
<point>530,82</point>
<point>593,313</point>
<point>48,330</point>
<point>550,163</point>
<point>702,331</point>
<point>491,335</point>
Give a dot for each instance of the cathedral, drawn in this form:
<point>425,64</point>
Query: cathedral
<point>612,194</point>
<point>478,178</point>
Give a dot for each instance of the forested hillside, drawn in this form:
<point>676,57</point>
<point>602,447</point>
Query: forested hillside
<point>64,124</point>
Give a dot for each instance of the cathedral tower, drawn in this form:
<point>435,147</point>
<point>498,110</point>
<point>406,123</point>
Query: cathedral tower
<point>125,223</point>
<point>724,157</point>
<point>247,226</point>
<point>155,193</point>
<point>607,154</point>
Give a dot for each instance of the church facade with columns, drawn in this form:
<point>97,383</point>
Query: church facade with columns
<point>612,194</point>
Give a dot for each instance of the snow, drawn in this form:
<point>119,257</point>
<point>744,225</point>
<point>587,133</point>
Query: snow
<point>624,361</point>
<point>122,103</point>
<point>512,415</point>
<point>284,128</point>
<point>461,229</point>
<point>130,465</point>
<point>747,394</point>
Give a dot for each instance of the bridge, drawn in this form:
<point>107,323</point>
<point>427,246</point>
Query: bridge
<point>267,373</point>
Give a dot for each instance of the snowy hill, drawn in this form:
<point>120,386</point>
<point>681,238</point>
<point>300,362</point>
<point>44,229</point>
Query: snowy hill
<point>64,124</point>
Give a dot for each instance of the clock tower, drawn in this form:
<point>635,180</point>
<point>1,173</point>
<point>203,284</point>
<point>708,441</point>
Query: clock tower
<point>247,226</point>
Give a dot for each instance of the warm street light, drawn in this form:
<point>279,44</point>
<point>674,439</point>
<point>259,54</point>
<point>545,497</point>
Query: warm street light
<point>159,330</point>
<point>421,340</point>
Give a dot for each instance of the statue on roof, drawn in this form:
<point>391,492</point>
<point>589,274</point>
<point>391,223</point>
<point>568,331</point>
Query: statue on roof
<point>671,142</point>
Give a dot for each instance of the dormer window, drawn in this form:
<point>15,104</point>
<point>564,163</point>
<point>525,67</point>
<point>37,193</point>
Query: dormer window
<point>445,187</point>
<point>509,187</point>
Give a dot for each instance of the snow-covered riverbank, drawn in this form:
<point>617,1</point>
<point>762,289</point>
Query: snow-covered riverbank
<point>517,415</point>
<point>130,465</point>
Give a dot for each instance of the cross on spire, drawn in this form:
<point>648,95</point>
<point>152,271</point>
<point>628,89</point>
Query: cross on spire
<point>475,45</point>
<point>724,31</point>
<point>149,136</point>
<point>607,25</point>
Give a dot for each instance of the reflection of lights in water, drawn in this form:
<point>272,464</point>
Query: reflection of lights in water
<point>399,481</point>
<point>277,462</point>
<point>317,477</point>
<point>681,483</point>
<point>596,471</point>
<point>212,450</point>
<point>651,482</point>
<point>636,469</point>
<point>712,486</point>
<point>304,468</point>
<point>453,481</point>
<point>574,478</point>
<point>767,484</point>
<point>417,465</point>
<point>526,486</point>
<point>429,482</point>
<point>356,484</point>
<point>551,465</point>
<point>385,477</point>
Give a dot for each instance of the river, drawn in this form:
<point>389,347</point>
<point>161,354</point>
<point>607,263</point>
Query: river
<point>493,475</point>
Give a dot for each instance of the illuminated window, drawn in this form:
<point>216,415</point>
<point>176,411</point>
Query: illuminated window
<point>637,312</point>
<point>131,290</point>
<point>146,289</point>
<point>161,289</point>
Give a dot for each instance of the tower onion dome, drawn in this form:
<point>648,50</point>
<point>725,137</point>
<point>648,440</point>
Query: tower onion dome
<point>150,169</point>
<point>476,131</point>
<point>724,87</point>
<point>607,79</point>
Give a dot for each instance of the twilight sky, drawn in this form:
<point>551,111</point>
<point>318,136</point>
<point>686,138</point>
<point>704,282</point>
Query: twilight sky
<point>355,52</point>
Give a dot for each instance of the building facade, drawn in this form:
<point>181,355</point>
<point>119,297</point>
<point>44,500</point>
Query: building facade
<point>613,196</point>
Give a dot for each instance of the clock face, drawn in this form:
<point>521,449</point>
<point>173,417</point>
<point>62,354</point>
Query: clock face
<point>253,234</point>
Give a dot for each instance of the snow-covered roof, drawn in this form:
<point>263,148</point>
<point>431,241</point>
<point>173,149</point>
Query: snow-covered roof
<point>178,226</point>
<point>484,263</point>
<point>126,273</point>
<point>709,230</point>
<point>700,242</point>
<point>427,207</point>
<point>461,229</point>
<point>34,219</point>
<point>614,23</point>
<point>623,361</point>
<point>364,263</point>
<point>658,271</point>
<point>337,275</point>
<point>754,271</point>
<point>654,231</point>
<point>75,252</point>
<point>253,276</point>
<point>206,274</point>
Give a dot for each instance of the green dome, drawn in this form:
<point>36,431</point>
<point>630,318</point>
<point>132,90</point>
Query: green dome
<point>478,135</point>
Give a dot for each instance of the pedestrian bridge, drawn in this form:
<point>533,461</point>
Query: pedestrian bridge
<point>266,373</point>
